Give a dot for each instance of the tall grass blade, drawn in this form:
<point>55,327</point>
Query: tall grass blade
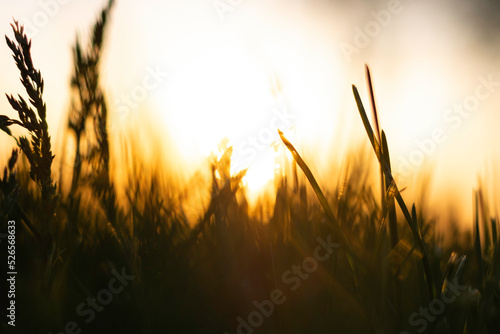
<point>380,234</point>
<point>477,242</point>
<point>377,129</point>
<point>391,207</point>
<point>399,198</point>
<point>494,235</point>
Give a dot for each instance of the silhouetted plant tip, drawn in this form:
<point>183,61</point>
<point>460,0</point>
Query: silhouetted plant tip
<point>88,102</point>
<point>32,118</point>
<point>431,289</point>
<point>324,203</point>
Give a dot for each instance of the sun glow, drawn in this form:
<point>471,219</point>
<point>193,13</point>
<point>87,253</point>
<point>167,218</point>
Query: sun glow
<point>215,95</point>
<point>225,94</point>
<point>261,172</point>
<point>243,81</point>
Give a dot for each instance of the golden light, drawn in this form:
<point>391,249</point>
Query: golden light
<point>216,94</point>
<point>226,92</point>
<point>417,105</point>
<point>223,78</point>
<point>261,172</point>
<point>240,80</point>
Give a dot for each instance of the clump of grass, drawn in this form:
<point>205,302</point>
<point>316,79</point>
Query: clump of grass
<point>201,276</point>
<point>9,186</point>
<point>462,316</point>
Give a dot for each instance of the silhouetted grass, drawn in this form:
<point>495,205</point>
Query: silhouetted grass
<point>202,276</point>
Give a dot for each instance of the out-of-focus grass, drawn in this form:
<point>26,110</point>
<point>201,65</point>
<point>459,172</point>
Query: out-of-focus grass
<point>200,276</point>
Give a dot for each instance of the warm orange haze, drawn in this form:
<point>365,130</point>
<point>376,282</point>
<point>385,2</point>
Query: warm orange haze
<point>209,72</point>
<point>238,166</point>
<point>240,71</point>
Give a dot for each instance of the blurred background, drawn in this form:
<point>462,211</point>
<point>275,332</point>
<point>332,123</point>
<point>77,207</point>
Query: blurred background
<point>185,75</point>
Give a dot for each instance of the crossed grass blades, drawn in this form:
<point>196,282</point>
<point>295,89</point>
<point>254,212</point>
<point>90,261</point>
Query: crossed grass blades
<point>199,277</point>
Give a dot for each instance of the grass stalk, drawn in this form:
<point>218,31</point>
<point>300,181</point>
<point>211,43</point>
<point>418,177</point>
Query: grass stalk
<point>383,187</point>
<point>477,242</point>
<point>324,203</point>
<point>387,172</point>
<point>390,205</point>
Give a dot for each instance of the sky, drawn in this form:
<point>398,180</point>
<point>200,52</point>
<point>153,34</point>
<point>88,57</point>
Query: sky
<point>201,70</point>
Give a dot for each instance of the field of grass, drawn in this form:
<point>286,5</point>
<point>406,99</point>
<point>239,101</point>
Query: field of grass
<point>343,257</point>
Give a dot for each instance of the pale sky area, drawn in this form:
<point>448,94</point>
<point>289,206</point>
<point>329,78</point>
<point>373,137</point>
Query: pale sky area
<point>204,70</point>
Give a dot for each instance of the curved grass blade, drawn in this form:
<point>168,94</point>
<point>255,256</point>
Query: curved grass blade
<point>324,203</point>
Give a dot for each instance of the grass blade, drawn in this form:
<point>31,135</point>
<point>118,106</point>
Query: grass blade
<point>323,201</point>
<point>372,101</point>
<point>399,198</point>
<point>477,242</point>
<point>383,184</point>
<point>391,207</point>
